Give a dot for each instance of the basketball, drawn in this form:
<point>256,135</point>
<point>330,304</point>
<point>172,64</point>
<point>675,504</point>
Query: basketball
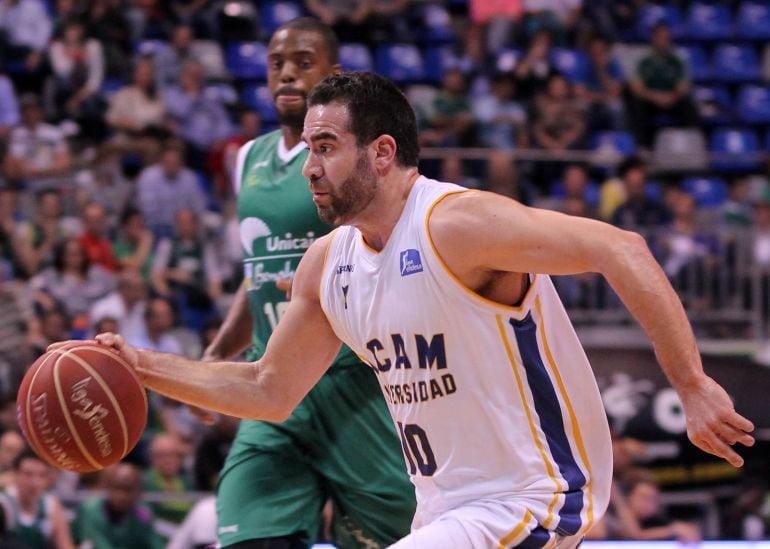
<point>81,407</point>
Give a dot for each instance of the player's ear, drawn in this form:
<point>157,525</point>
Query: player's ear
<point>336,68</point>
<point>384,151</point>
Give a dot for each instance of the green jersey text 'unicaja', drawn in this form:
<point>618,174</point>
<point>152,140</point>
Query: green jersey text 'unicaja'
<point>278,223</point>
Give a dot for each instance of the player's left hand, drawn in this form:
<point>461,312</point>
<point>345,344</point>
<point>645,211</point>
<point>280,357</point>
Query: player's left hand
<point>713,425</point>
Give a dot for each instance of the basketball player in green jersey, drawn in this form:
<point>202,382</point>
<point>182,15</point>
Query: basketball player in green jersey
<point>340,443</point>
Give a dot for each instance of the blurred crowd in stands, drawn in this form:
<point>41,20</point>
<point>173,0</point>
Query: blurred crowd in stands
<point>119,125</point>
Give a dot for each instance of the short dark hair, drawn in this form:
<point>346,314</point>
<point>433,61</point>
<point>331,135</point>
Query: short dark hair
<point>630,163</point>
<point>376,106</point>
<point>26,454</point>
<point>311,24</point>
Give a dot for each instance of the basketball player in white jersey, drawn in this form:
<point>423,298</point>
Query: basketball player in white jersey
<point>444,293</point>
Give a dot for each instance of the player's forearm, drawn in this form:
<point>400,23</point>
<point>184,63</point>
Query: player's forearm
<point>240,389</point>
<point>235,333</point>
<point>642,285</point>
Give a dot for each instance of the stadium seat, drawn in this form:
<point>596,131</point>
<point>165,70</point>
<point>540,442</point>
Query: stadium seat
<point>714,105</point>
<point>652,14</point>
<point>697,62</point>
<point>709,21</point>
<point>402,63</point>
<point>247,60</point>
<point>356,57</point>
<point>709,192</point>
<point>437,24</point>
<point>620,142</point>
<point>148,48</point>
<point>754,104</point>
<point>727,142</point>
<point>274,14</point>
<point>259,99</point>
<point>571,63</point>
<point>735,63</point>
<point>680,149</point>
<point>753,20</point>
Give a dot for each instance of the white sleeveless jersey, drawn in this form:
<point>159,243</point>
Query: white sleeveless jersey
<point>492,402</point>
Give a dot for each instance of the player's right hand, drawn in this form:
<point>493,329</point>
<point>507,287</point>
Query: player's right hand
<point>118,342</point>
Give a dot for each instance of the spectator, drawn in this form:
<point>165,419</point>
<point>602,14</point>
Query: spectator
<point>639,211</point>
<point>574,192</point>
<point>38,155</point>
<point>169,59</point>
<point>134,244</point>
<point>11,446</point>
<point>9,107</point>
<point>17,326</point>
<point>11,247</point>
<point>126,305</point>
<point>158,322</point>
<point>107,24</point>
<point>660,87</point>
<point>36,517</point>
<point>534,70</point>
<point>361,20</point>
<point>602,88</point>
<point>559,124</point>
<point>73,283</point>
<point>451,123</point>
<point>55,326</point>
<point>117,519</point>
<point>78,72</point>
<point>185,268</point>
<point>195,112</point>
<point>49,226</point>
<point>26,28</point>
<point>643,497</point>
<point>221,161</point>
<point>493,23</point>
<point>167,187</point>
<point>104,183</point>
<point>136,114</point>
<point>736,212</point>
<point>165,475</point>
<point>559,17</point>
<point>94,240</point>
<point>502,119</point>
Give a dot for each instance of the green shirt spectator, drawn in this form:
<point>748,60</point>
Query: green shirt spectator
<point>97,524</point>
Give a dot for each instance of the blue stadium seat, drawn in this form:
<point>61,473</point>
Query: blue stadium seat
<point>697,61</point>
<point>714,105</point>
<point>247,60</point>
<point>274,14</point>
<point>402,63</point>
<point>754,104</point>
<point>708,192</point>
<point>735,63</point>
<point>571,63</point>
<point>260,99</point>
<point>149,48</point>
<point>356,57</point>
<point>617,141</point>
<point>709,21</point>
<point>437,24</point>
<point>753,20</point>
<point>651,14</point>
<point>734,141</point>
<point>439,59</point>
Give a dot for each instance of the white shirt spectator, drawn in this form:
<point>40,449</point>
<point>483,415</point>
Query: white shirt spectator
<point>63,65</point>
<point>130,321</point>
<point>199,527</point>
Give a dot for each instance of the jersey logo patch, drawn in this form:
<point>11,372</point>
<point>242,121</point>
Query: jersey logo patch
<point>410,262</point>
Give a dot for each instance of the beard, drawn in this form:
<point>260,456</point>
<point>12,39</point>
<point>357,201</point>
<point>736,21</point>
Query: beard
<point>352,195</point>
<point>293,119</point>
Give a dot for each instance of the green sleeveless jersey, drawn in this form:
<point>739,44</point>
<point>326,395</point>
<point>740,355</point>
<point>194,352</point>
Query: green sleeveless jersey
<point>278,222</point>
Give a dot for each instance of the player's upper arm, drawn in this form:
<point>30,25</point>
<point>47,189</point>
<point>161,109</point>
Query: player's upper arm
<point>303,344</point>
<point>480,230</point>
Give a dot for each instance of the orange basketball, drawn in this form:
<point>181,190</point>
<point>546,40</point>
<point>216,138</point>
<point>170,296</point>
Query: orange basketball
<point>81,407</point>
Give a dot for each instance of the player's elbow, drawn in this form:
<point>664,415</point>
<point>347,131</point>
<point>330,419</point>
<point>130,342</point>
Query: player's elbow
<point>274,400</point>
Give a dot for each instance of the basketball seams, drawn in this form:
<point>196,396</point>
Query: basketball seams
<point>107,391</point>
<point>34,440</point>
<point>119,359</point>
<point>65,411</point>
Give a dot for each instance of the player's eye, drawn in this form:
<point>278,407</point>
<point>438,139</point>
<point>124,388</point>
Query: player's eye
<point>306,64</point>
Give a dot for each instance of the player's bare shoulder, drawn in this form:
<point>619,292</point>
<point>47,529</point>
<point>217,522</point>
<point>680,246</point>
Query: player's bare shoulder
<point>310,268</point>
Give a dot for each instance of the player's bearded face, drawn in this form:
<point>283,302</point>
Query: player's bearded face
<point>352,195</point>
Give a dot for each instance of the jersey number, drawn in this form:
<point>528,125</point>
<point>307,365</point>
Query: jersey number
<point>417,449</point>
<point>275,312</point>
